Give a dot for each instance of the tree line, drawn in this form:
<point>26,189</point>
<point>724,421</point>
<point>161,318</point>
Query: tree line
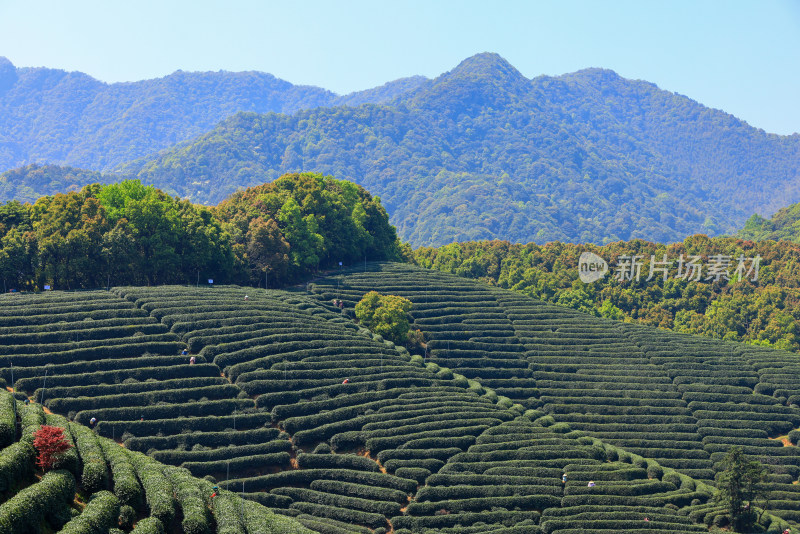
<point>765,311</point>
<point>132,234</point>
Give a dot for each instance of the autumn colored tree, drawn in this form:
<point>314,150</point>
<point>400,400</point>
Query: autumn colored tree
<point>50,444</point>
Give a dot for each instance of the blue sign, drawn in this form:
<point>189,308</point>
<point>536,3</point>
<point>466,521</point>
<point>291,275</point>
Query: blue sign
<point>47,288</point>
<point>210,280</point>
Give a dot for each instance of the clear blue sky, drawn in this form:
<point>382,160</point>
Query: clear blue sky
<point>739,56</point>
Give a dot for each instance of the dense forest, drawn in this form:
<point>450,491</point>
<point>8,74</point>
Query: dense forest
<point>482,152</point>
<point>784,225</point>
<point>28,183</point>
<point>765,311</point>
<point>128,233</point>
<point>301,222</point>
<point>70,118</point>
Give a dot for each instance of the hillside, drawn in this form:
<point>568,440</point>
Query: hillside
<point>765,311</point>
<point>482,152</point>
<point>316,418</point>
<point>784,225</point>
<point>31,182</point>
<point>69,118</point>
<point>99,487</point>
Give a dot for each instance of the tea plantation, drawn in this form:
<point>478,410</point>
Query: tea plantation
<point>291,404</point>
<point>100,487</point>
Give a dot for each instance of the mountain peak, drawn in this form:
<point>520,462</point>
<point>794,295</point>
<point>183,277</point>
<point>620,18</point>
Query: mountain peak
<point>8,73</point>
<point>481,81</point>
<point>487,65</point>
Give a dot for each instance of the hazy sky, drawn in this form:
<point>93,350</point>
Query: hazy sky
<point>739,56</point>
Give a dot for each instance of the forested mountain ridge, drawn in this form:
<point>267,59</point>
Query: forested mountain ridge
<point>31,182</point>
<point>783,226</point>
<point>69,118</point>
<point>482,152</point>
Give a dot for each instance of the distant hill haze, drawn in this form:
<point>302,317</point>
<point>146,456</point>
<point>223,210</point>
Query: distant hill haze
<point>479,152</point>
<point>69,118</point>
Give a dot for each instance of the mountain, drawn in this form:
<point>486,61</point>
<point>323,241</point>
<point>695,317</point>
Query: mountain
<point>481,152</point>
<point>57,117</point>
<point>783,226</point>
<point>28,183</point>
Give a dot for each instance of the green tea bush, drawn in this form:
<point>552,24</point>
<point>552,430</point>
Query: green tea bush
<point>101,513</point>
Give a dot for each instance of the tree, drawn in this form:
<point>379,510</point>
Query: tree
<point>608,310</point>
<point>51,444</point>
<point>386,315</point>
<point>303,222</point>
<point>739,485</point>
<point>267,249</point>
<point>301,232</point>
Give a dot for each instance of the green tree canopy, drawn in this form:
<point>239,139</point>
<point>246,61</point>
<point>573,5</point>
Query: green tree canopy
<point>122,233</point>
<point>130,233</point>
<point>303,222</point>
<point>739,486</point>
<point>386,315</point>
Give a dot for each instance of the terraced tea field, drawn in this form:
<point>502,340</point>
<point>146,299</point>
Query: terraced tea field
<point>98,486</point>
<point>682,400</point>
<point>293,405</point>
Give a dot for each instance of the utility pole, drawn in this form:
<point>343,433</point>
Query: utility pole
<point>13,400</point>
<point>44,386</point>
<point>241,504</point>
